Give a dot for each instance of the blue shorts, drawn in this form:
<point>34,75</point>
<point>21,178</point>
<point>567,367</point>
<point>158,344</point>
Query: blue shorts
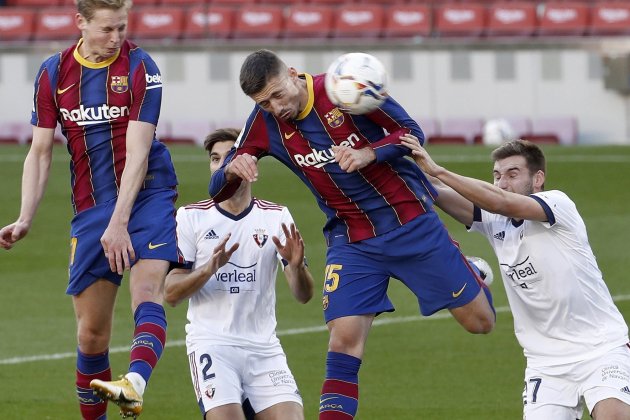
<point>420,253</point>
<point>152,229</point>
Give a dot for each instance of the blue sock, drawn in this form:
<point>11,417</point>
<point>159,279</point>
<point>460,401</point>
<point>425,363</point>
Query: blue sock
<point>340,392</point>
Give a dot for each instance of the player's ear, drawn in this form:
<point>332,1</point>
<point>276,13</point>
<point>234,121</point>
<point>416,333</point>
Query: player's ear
<point>80,21</point>
<point>293,73</point>
<point>539,180</point>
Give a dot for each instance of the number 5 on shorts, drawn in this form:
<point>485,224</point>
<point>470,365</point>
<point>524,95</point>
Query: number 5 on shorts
<point>332,278</point>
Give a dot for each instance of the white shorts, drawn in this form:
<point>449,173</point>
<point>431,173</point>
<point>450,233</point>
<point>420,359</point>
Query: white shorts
<point>559,392</point>
<point>228,374</point>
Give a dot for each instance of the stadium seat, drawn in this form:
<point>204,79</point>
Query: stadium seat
<point>15,132</point>
<point>522,126</point>
<point>610,18</point>
<point>407,20</point>
<point>564,18</point>
<point>32,3</point>
<point>460,19</point>
<point>512,19</point>
<point>430,127</point>
<point>163,130</point>
<point>234,3</point>
<point>308,21</point>
<point>163,22</point>
<point>56,23</point>
<point>209,22</point>
<point>329,2</point>
<point>561,130</point>
<point>459,131</point>
<point>182,3</point>
<point>259,21</point>
<point>359,21</point>
<point>189,132</point>
<point>16,24</point>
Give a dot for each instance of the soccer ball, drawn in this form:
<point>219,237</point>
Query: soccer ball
<point>485,271</point>
<point>356,83</point>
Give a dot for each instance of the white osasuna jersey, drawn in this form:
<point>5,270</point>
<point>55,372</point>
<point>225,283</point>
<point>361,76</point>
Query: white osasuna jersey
<point>237,304</point>
<point>562,309</point>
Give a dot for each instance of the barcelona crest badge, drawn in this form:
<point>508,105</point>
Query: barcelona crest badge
<point>334,118</point>
<point>120,84</point>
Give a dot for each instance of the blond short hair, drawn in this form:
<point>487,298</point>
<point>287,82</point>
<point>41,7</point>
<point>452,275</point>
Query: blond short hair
<point>87,8</point>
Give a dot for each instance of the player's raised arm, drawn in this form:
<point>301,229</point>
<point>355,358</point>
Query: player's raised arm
<point>34,181</point>
<point>181,283</point>
<point>296,272</point>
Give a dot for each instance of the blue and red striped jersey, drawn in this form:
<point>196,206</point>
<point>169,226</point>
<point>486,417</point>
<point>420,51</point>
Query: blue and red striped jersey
<point>366,203</point>
<point>94,103</point>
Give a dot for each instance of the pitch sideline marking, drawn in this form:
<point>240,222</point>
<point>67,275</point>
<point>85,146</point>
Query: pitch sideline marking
<point>290,331</point>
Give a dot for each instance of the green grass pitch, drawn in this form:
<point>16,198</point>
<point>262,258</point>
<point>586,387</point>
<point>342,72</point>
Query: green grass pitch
<point>414,367</point>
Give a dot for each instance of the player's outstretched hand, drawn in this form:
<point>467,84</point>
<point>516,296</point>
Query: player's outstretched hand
<point>351,160</point>
<point>220,256</point>
<point>118,248</point>
<point>243,166</point>
<point>12,233</point>
<point>293,249</point>
<point>420,155</point>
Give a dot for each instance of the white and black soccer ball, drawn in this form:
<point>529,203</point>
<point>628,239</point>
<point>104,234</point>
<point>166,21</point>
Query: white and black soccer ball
<point>356,83</point>
<point>485,271</point>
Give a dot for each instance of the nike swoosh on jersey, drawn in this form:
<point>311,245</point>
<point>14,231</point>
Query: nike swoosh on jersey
<point>287,136</point>
<point>151,246</point>
<point>456,294</point>
<point>60,91</point>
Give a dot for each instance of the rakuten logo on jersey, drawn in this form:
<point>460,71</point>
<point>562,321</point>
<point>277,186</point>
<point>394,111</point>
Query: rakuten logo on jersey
<point>94,115</point>
<point>153,80</point>
<point>319,158</point>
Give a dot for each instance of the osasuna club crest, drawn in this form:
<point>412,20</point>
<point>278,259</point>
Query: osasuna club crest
<point>260,237</point>
<point>120,84</point>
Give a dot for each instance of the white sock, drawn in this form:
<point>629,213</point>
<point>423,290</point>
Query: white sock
<point>138,382</point>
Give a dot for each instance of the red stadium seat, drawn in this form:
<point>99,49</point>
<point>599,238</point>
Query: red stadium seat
<point>32,3</point>
<point>56,23</point>
<point>16,24</point>
<point>308,21</point>
<point>181,3</point>
<point>163,130</point>
<point>212,22</point>
<point>162,22</point>
<point>564,18</point>
<point>459,131</point>
<point>259,21</point>
<point>236,3</point>
<point>460,19</point>
<point>359,21</point>
<point>521,126</point>
<point>329,2</point>
<point>407,20</point>
<point>512,19</point>
<point>561,130</point>
<point>189,132</point>
<point>430,127</point>
<point>15,132</point>
<point>610,18</point>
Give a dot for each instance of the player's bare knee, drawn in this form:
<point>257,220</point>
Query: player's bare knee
<point>92,340</point>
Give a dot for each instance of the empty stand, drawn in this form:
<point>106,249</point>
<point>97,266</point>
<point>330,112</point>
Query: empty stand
<point>259,21</point>
<point>308,21</point>
<point>213,21</point>
<point>56,23</point>
<point>430,127</point>
<point>231,2</point>
<point>162,22</point>
<point>521,126</point>
<point>15,132</point>
<point>610,18</point>
<point>32,3</point>
<point>407,20</point>
<point>359,21</point>
<point>163,130</point>
<point>564,18</point>
<point>189,132</point>
<point>459,131</point>
<point>16,24</point>
<point>512,18</point>
<point>561,130</point>
<point>460,19</point>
